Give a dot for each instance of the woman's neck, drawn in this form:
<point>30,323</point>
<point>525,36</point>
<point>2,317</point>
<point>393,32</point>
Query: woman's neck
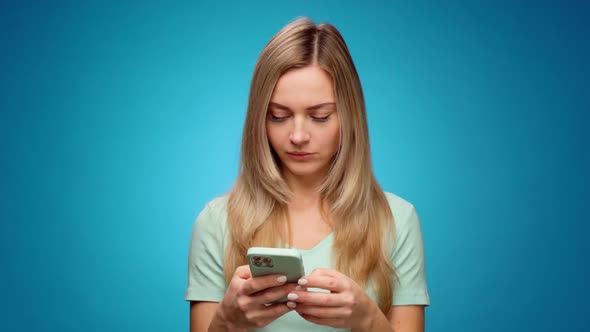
<point>306,205</point>
<point>306,191</point>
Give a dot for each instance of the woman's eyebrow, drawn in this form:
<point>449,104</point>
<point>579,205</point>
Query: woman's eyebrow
<point>310,108</point>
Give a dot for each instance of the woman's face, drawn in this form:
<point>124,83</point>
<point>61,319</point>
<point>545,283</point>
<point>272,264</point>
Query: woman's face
<point>302,123</point>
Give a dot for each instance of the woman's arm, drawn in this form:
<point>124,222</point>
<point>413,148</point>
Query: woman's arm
<point>348,306</point>
<point>407,318</point>
<point>201,315</point>
<point>243,305</point>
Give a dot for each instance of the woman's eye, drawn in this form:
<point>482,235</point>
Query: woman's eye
<point>278,118</point>
<point>320,119</point>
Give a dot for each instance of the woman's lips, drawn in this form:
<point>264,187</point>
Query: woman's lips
<point>300,155</point>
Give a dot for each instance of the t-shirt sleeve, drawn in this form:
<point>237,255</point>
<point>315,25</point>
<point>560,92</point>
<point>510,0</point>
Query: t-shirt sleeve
<point>205,260</point>
<point>408,259</point>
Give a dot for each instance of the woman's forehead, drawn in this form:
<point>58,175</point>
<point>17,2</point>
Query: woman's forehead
<point>303,88</point>
<point>325,105</point>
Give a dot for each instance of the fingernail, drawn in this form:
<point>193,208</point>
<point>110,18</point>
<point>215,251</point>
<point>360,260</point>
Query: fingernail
<point>291,304</point>
<point>282,279</point>
<point>292,296</point>
<point>302,282</point>
<point>299,288</point>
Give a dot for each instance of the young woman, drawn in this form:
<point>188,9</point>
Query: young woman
<point>306,182</point>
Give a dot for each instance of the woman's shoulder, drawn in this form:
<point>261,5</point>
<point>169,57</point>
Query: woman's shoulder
<point>214,213</point>
<point>408,233</point>
<point>402,209</point>
<point>398,203</point>
<point>218,204</point>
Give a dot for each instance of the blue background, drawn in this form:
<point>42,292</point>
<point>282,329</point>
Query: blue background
<point>119,120</point>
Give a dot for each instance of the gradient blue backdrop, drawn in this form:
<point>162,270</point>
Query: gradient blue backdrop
<point>119,120</point>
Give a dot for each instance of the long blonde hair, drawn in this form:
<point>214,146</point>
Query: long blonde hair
<point>360,212</point>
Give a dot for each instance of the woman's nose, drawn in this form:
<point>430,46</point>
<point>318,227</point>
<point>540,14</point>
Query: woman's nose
<point>299,135</point>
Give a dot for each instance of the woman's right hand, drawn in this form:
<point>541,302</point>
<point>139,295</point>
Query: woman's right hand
<point>244,304</point>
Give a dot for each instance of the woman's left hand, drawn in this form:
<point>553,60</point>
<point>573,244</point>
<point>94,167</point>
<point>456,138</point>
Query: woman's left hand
<point>346,306</point>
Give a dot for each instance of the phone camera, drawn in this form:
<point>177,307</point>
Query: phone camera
<point>257,260</point>
<point>267,261</point>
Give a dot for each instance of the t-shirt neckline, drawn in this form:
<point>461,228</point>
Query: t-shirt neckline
<point>318,245</point>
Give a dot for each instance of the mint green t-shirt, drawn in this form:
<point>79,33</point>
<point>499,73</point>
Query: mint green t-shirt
<point>208,243</point>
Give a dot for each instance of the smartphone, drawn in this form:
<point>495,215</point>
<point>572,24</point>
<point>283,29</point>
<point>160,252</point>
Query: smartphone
<point>264,261</point>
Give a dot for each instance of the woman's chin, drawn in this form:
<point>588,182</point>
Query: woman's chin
<point>305,171</point>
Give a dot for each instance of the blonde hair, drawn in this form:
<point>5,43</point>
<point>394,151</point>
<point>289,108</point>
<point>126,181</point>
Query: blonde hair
<point>358,208</point>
